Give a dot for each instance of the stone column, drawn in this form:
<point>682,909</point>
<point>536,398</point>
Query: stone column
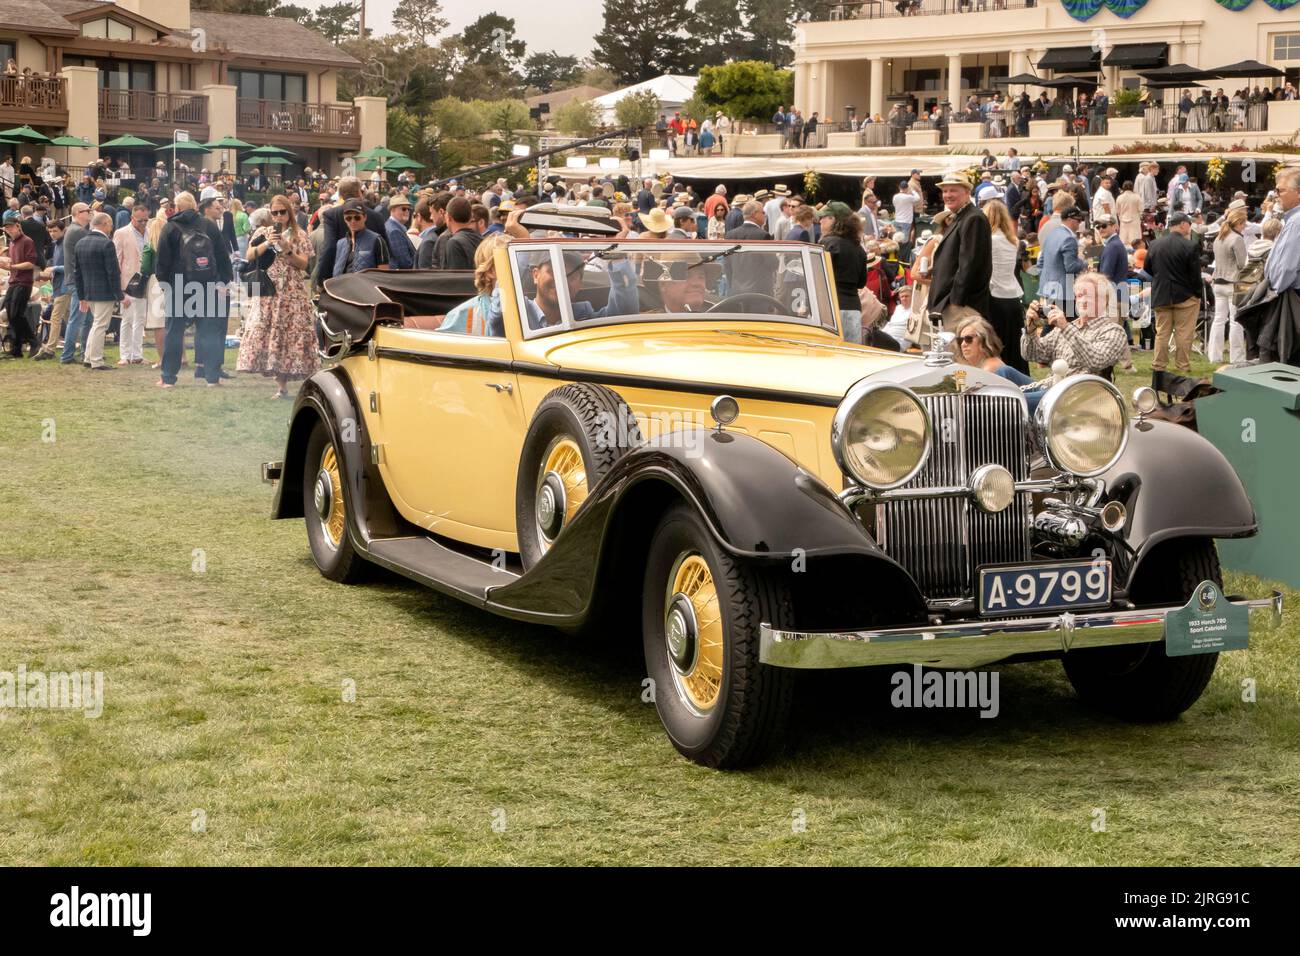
<point>221,122</point>
<point>954,80</point>
<point>372,117</point>
<point>877,92</point>
<point>83,112</point>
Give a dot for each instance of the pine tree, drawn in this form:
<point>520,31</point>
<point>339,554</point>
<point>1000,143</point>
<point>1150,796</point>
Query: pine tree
<point>642,39</point>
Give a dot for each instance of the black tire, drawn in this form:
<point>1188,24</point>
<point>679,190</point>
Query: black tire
<point>1140,682</point>
<point>747,719</point>
<point>339,560</point>
<point>599,423</point>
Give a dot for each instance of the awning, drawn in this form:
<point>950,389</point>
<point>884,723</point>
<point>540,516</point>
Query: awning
<point>1138,56</point>
<point>1071,59</point>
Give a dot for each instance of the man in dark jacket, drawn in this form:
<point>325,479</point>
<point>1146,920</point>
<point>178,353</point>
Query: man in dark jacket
<point>750,273</point>
<point>963,263</point>
<point>349,188</point>
<point>193,266</point>
<point>99,285</point>
<point>456,246</point>
<point>1174,263</point>
<point>36,231</point>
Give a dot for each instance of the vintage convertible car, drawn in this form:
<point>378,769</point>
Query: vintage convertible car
<point>675,443</point>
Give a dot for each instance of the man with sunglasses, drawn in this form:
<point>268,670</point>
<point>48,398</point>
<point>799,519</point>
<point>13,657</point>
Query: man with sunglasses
<point>361,248</point>
<point>544,309</point>
<point>349,188</point>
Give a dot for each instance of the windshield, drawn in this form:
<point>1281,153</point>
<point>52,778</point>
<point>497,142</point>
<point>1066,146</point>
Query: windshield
<point>644,281</point>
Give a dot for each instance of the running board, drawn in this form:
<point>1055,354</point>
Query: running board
<point>436,566</point>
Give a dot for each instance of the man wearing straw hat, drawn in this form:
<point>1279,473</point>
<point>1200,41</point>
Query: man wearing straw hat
<point>963,261</point>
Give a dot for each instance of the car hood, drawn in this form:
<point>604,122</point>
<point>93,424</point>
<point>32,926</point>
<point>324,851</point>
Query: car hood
<point>753,356</point>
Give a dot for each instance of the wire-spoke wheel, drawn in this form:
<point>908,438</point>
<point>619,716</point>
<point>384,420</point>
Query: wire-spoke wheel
<point>577,435</point>
<point>325,507</point>
<point>701,617</point>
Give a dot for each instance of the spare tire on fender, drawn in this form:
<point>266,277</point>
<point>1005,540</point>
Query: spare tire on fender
<point>577,434</point>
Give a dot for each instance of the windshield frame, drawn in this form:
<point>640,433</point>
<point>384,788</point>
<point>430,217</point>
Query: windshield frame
<point>819,300</point>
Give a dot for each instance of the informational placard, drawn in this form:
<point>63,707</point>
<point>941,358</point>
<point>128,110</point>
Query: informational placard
<point>1207,624</point>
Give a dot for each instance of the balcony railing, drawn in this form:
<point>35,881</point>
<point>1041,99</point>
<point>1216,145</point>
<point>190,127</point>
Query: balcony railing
<point>34,93</point>
<point>287,117</point>
<point>875,9</point>
<point>146,106</point>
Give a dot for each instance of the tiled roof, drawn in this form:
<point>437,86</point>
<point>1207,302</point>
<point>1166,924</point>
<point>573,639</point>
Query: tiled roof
<point>270,38</point>
<point>34,16</point>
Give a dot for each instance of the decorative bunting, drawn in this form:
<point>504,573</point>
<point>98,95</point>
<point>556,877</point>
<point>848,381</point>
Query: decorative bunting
<point>1082,9</point>
<point>1282,4</point>
<point>1126,8</point>
<point>1233,5</point>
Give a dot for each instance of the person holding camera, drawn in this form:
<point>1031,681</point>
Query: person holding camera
<point>280,339</point>
<point>1091,344</point>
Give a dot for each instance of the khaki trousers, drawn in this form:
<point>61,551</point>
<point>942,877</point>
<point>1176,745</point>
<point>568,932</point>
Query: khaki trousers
<point>58,319</point>
<point>102,314</point>
<point>1181,320</point>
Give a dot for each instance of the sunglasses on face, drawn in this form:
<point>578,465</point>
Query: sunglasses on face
<point>285,212</point>
<point>353,217</point>
<point>968,339</point>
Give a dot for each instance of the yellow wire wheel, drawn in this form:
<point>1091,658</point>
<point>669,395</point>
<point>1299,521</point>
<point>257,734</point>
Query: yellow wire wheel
<point>329,497</point>
<point>561,488</point>
<point>693,632</point>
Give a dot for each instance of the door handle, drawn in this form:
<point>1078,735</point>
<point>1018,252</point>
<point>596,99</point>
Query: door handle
<point>507,387</point>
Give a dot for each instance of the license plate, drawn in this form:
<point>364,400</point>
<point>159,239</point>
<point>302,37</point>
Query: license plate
<point>1027,589</point>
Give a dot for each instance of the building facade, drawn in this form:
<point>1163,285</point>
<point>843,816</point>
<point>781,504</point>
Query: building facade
<point>862,53</point>
<point>150,68</point>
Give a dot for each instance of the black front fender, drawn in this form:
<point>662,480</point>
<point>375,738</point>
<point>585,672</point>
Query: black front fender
<point>1175,484</point>
<point>759,505</point>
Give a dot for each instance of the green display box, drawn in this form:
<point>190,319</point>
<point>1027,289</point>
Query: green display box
<point>1255,422</point>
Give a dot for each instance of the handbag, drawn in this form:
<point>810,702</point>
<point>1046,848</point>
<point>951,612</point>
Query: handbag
<point>257,281</point>
<point>137,286</point>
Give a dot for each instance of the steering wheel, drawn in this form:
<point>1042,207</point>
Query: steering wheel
<point>774,306</point>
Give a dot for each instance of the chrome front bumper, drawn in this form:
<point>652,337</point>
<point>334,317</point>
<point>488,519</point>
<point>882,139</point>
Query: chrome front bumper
<point>977,643</point>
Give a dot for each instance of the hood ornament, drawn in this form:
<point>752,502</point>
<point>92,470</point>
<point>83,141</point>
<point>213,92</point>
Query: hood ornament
<point>940,351</point>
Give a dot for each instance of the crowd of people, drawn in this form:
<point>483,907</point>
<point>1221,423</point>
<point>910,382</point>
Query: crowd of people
<point>1103,252</point>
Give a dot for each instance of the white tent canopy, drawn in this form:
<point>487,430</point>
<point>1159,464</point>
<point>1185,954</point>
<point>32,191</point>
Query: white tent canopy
<point>673,90</point>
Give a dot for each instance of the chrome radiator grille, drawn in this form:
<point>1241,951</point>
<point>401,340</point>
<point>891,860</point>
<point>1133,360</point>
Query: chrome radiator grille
<point>941,541</point>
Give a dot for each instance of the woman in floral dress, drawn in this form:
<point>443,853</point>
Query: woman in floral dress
<point>280,336</point>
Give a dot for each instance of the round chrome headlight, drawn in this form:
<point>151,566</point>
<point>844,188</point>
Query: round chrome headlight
<point>881,435</point>
<point>1083,422</point>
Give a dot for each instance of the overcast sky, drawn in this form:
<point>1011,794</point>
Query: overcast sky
<point>566,27</point>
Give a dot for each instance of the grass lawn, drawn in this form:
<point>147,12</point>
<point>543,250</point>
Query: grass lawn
<point>224,695</point>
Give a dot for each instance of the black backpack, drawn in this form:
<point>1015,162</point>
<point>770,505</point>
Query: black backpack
<point>198,256</point>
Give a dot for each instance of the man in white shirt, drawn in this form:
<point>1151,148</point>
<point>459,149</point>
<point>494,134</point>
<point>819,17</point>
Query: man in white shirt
<point>772,208</point>
<point>905,202</point>
<point>1103,201</point>
<point>868,212</point>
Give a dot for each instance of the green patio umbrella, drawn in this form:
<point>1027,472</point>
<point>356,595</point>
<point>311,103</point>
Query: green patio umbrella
<point>403,162</point>
<point>265,161</point>
<point>127,142</point>
<point>380,152</point>
<point>271,151</point>
<point>73,141</point>
<point>26,134</point>
<point>228,142</point>
<point>184,147</point>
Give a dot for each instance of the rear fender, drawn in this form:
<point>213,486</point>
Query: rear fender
<point>328,397</point>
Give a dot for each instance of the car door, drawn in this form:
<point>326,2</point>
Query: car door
<point>451,428</point>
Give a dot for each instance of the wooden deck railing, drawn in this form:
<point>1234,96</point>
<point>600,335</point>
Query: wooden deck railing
<point>34,93</point>
<point>289,117</point>
<point>146,106</point>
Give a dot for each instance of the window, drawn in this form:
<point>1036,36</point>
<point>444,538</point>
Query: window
<point>1286,46</point>
<point>8,51</point>
<point>107,28</point>
<point>118,74</point>
<point>261,85</point>
<point>920,79</point>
